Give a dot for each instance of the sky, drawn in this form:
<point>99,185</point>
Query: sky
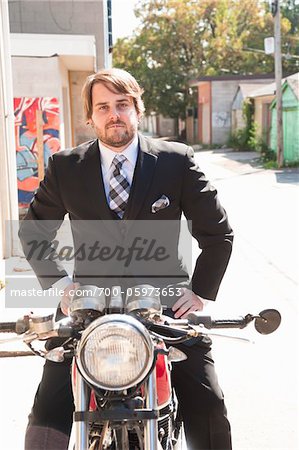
<point>123,18</point>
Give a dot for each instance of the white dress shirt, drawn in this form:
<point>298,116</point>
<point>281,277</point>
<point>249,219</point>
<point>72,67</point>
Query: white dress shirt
<point>128,167</point>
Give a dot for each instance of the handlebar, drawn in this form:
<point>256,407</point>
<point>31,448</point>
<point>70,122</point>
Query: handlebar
<point>209,323</point>
<point>18,327</point>
<point>266,322</point>
<point>8,327</point>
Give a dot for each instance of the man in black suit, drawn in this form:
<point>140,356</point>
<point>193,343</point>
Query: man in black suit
<point>123,176</point>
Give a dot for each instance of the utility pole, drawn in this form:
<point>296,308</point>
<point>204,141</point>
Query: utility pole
<point>275,8</point>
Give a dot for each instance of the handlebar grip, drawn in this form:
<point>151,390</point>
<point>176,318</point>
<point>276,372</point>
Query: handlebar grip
<point>8,327</point>
<point>229,323</point>
<point>196,318</point>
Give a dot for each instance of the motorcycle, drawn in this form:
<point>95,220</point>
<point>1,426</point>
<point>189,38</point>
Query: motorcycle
<point>122,352</point>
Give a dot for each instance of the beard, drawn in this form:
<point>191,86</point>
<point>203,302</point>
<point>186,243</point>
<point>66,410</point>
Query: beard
<point>116,137</point>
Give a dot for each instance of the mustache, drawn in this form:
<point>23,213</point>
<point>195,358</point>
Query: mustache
<point>114,123</point>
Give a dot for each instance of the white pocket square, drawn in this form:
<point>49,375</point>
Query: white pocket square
<point>161,203</point>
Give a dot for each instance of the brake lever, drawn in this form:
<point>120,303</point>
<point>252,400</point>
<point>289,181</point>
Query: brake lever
<point>206,332</point>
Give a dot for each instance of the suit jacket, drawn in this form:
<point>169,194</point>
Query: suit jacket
<point>73,185</point>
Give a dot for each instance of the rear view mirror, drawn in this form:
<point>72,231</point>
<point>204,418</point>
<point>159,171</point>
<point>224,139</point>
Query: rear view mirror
<point>268,321</point>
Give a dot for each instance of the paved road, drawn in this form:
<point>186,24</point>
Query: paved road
<point>260,380</point>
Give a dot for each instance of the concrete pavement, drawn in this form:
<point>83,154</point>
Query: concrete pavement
<point>260,380</point>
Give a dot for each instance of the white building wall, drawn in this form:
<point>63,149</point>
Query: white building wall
<point>63,17</point>
<point>36,77</point>
<point>223,93</point>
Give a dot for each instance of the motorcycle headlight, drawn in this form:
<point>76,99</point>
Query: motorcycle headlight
<point>115,352</point>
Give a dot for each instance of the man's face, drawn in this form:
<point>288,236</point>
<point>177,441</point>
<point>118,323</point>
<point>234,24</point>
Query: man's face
<point>114,117</point>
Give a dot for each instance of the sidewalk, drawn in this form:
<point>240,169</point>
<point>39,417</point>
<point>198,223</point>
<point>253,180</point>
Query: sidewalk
<point>243,162</point>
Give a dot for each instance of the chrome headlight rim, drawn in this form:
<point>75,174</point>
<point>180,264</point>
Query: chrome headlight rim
<point>107,320</point>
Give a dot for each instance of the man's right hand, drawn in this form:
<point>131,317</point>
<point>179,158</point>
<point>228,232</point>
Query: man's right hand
<point>68,294</point>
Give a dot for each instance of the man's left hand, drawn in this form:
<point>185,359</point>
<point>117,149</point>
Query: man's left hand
<point>189,302</point>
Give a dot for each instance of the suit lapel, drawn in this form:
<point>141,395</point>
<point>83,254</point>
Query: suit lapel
<point>93,179</point>
<point>143,176</point>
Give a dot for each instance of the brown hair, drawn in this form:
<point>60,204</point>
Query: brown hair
<point>116,80</point>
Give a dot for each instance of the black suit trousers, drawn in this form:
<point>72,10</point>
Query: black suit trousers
<point>200,398</point>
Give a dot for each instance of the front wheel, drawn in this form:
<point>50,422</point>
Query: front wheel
<point>118,439</point>
<point>180,441</point>
<point>102,439</point>
<point>95,445</point>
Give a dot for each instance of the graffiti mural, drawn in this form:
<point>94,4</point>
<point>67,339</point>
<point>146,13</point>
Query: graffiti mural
<point>26,141</point>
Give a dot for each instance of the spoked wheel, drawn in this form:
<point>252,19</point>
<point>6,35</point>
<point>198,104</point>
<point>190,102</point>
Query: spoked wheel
<point>95,444</point>
<point>117,439</point>
<point>179,435</point>
<point>104,440</point>
<point>180,442</point>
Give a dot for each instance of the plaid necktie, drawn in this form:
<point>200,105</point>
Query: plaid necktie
<point>119,187</point>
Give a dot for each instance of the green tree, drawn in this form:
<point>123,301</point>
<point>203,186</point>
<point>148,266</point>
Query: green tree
<point>180,40</point>
<point>290,40</point>
<point>290,10</point>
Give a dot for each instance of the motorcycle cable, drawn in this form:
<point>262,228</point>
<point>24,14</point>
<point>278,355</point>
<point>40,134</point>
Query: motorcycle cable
<point>169,340</point>
<point>184,335</point>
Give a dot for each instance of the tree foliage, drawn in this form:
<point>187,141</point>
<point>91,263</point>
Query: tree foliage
<point>290,10</point>
<point>180,40</point>
<point>290,40</point>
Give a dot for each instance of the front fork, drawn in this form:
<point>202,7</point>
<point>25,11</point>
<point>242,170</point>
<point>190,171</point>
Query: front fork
<point>151,441</point>
<point>82,397</point>
<point>81,393</point>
